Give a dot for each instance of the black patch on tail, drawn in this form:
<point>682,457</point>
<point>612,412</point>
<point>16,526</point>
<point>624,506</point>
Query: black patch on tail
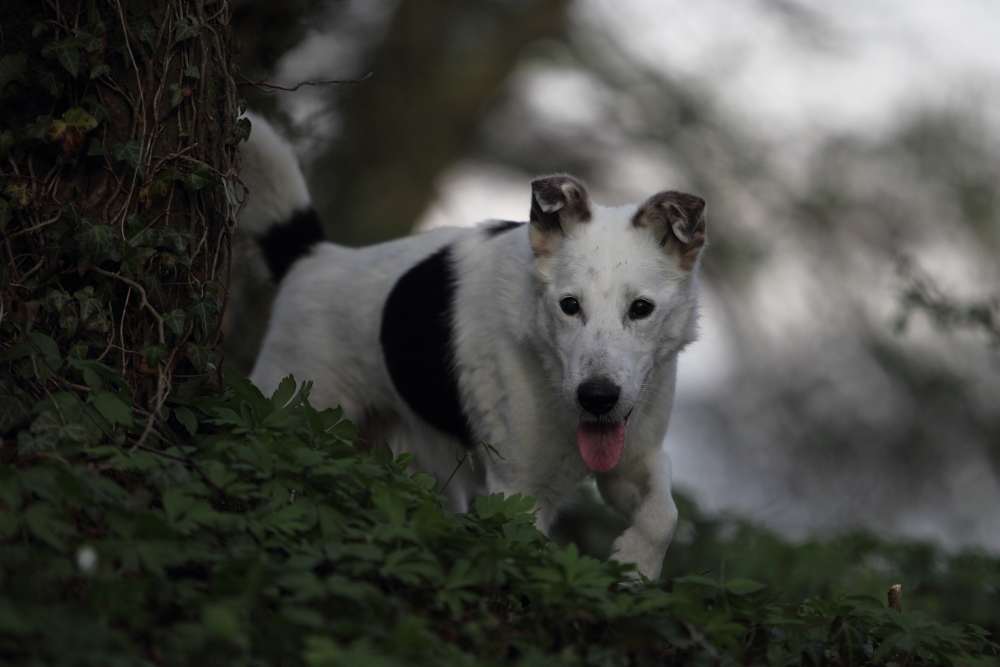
<point>284,244</point>
<point>500,227</point>
<point>416,337</point>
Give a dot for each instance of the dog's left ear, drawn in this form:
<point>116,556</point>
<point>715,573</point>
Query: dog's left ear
<point>677,221</point>
<point>558,203</point>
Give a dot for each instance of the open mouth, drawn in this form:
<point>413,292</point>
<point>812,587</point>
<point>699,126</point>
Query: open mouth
<point>601,443</point>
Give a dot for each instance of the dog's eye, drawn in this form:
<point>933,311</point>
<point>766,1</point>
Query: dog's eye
<point>570,306</point>
<point>640,309</point>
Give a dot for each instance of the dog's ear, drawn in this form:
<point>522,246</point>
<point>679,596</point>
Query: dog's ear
<point>557,204</point>
<point>677,221</point>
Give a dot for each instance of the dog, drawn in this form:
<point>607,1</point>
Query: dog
<point>554,340</point>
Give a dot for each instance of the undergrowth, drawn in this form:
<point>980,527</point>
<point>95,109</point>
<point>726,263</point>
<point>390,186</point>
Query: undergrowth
<point>261,536</point>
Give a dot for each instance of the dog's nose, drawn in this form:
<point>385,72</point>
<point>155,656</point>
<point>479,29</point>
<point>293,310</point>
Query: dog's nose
<point>598,395</point>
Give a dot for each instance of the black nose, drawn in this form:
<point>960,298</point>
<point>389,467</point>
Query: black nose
<point>598,395</point>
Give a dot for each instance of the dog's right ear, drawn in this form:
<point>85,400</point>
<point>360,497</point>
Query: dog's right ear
<point>557,204</point>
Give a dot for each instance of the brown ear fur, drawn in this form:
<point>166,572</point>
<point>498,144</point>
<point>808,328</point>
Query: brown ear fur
<point>557,203</point>
<point>677,220</point>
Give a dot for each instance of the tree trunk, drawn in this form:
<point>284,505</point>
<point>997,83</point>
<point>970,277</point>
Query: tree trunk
<point>119,194</point>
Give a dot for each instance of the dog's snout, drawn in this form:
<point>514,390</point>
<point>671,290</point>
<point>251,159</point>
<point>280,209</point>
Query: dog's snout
<point>598,395</point>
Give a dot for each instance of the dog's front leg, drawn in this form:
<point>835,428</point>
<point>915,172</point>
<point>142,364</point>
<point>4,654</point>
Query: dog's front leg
<point>640,489</point>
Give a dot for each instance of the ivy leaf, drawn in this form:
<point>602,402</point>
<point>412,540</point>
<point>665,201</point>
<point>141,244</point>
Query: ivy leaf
<point>175,320</point>
<point>12,67</point>
<point>199,356</point>
<point>177,94</point>
<point>147,33</point>
<point>193,72</point>
<point>203,309</point>
<point>199,176</point>
<point>38,29</point>
<point>240,132</point>
<point>67,51</point>
<point>100,69</point>
<point>185,29</point>
<point>99,111</point>
<point>20,191</point>
<point>77,117</point>
<point>94,21</point>
<point>69,322</point>
<point>88,303</point>
<point>153,353</point>
<point>37,129</point>
<point>89,42</point>
<point>96,148</point>
<point>50,82</point>
<point>97,241</point>
<point>130,151</point>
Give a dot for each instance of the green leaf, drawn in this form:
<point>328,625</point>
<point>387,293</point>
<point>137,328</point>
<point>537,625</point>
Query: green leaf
<point>100,69</point>
<point>94,21</point>
<point>187,419</point>
<point>67,51</point>
<point>96,241</point>
<point>38,29</point>
<point>6,143</point>
<point>240,132</point>
<point>12,67</point>
<point>6,210</point>
<point>193,72</point>
<point>90,42</point>
<point>96,148</point>
<point>742,586</point>
<point>111,407</point>
<point>703,581</point>
<point>176,94</point>
<point>130,151</point>
<point>38,129</point>
<point>147,33</point>
<point>50,82</point>
<point>154,352</point>
<point>198,355</point>
<point>175,320</point>
<point>185,29</point>
<point>284,392</point>
<point>78,117</point>
<point>199,176</point>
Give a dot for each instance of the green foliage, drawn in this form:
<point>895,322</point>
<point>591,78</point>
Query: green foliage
<point>267,537</point>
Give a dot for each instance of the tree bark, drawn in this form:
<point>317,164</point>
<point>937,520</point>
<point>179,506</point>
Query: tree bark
<point>119,193</point>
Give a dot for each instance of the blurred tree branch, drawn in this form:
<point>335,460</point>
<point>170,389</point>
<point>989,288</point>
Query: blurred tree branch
<point>439,67</point>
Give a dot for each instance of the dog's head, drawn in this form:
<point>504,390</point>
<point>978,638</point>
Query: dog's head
<point>616,295</point>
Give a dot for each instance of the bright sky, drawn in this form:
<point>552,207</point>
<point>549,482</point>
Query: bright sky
<point>846,65</point>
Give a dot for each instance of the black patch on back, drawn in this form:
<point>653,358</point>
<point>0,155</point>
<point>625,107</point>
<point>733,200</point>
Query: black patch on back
<point>417,344</point>
<point>500,227</point>
<point>284,244</point>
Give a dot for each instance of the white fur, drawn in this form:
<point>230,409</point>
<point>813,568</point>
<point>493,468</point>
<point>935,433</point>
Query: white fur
<point>520,359</point>
<point>272,175</point>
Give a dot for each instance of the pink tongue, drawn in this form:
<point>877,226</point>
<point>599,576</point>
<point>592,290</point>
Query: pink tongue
<point>601,445</point>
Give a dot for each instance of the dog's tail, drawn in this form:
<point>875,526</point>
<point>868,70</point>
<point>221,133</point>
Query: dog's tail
<point>279,213</point>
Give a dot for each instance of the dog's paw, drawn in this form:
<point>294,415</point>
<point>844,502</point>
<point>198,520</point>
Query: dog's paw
<point>632,547</point>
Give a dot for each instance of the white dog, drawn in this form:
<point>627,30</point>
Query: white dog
<point>555,341</point>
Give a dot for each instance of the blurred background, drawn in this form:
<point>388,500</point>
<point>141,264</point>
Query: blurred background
<point>847,377</point>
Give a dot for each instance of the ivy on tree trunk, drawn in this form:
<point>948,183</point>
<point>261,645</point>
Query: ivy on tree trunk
<point>118,196</point>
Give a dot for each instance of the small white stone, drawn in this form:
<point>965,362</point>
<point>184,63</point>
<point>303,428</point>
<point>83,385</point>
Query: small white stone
<point>86,559</point>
